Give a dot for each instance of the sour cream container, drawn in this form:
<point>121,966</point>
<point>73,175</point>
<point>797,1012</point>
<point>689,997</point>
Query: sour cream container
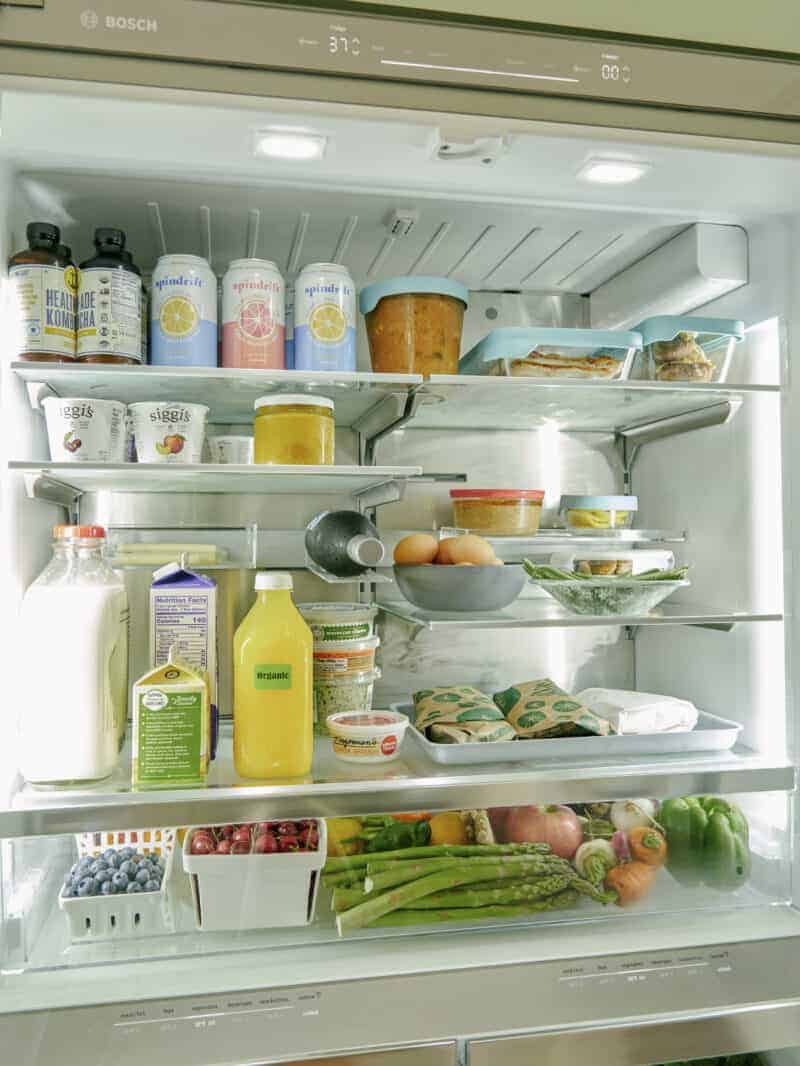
<point>169,432</point>
<point>367,736</point>
<point>85,431</point>
<point>231,449</point>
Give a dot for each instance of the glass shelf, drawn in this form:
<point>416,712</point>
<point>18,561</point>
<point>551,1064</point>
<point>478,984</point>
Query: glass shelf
<point>540,612</point>
<point>230,394</point>
<point>467,402</point>
<point>412,782</point>
<point>209,477</point>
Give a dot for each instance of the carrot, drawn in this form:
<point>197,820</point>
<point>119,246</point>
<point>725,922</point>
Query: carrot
<point>412,816</point>
<point>631,881</point>
<point>647,845</point>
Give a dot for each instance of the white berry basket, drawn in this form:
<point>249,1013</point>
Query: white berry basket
<point>234,892</point>
<point>115,917</point>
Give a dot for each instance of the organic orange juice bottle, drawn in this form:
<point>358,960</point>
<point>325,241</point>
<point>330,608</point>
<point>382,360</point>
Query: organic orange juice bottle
<point>272,685</point>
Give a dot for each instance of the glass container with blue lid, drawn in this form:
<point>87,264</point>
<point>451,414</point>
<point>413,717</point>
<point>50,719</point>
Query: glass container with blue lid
<point>685,348</point>
<point>545,352</point>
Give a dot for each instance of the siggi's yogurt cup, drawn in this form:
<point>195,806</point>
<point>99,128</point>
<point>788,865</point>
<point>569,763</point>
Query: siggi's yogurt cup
<point>367,736</point>
<point>169,432</point>
<point>231,449</point>
<point>85,431</point>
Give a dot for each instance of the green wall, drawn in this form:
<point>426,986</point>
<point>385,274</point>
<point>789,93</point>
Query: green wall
<point>773,25</point>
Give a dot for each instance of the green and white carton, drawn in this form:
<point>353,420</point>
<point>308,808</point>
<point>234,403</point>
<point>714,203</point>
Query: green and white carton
<point>171,726</point>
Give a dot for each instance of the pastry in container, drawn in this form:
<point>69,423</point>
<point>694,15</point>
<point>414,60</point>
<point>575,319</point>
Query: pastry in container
<point>539,352</point>
<point>498,512</point>
<point>614,562</point>
<point>414,324</point>
<point>586,513</point>
<point>681,348</point>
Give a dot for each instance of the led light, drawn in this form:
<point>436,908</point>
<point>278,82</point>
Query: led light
<point>289,144</point>
<point>612,171</point>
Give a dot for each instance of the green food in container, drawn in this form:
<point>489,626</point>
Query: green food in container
<point>332,696</point>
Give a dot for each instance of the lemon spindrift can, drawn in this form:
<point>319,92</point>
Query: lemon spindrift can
<point>183,312</point>
<point>325,318</point>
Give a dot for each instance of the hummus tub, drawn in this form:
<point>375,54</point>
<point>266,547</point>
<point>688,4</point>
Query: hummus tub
<point>367,736</point>
<point>169,432</point>
<point>85,430</point>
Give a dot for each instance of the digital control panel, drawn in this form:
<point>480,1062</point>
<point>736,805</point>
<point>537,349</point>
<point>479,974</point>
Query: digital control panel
<point>290,38</point>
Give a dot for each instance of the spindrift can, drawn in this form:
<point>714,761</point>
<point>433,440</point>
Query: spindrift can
<point>183,312</point>
<point>253,322</point>
<point>324,318</point>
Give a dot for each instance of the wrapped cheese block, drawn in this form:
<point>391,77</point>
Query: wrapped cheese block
<point>540,710</point>
<point>459,714</point>
<point>640,712</point>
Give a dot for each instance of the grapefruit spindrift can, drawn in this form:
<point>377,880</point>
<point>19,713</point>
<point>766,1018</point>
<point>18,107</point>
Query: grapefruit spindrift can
<point>253,315</point>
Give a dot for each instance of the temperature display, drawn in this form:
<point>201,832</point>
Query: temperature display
<point>343,44</point>
<point>610,72</point>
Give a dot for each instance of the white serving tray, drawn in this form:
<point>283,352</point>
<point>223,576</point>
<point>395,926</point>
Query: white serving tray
<point>710,734</point>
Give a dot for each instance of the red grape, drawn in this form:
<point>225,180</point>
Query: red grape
<point>241,835</point>
<point>288,843</point>
<point>286,829</point>
<point>240,847</point>
<point>202,845</point>
<point>265,844</point>
<point>224,847</point>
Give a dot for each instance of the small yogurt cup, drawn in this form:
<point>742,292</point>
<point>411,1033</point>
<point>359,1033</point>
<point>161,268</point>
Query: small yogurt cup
<point>231,449</point>
<point>339,621</point>
<point>344,659</point>
<point>169,432</point>
<point>367,736</point>
<point>85,430</point>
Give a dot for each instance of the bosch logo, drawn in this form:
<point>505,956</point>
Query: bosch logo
<point>90,20</point>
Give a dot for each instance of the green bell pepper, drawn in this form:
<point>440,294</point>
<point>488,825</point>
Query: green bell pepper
<point>707,841</point>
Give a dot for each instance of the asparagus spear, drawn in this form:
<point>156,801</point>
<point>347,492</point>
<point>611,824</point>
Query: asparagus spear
<point>398,897</point>
<point>470,897</point>
<point>434,917</point>
<point>336,863</point>
<point>344,877</point>
<point>481,870</point>
<point>529,887</point>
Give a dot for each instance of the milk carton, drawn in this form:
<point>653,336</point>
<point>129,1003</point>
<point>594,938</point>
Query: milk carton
<point>183,612</point>
<point>171,726</point>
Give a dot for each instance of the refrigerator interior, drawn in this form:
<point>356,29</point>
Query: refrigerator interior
<point>534,244</point>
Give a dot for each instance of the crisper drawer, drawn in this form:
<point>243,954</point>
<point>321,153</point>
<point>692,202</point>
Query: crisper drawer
<point>642,1044</point>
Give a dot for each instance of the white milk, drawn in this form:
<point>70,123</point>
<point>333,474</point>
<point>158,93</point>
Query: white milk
<point>71,691</point>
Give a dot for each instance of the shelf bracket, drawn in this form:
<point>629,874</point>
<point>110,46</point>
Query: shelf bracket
<point>377,495</point>
<point>391,413</point>
<point>38,391</point>
<point>39,486</point>
<point>631,438</point>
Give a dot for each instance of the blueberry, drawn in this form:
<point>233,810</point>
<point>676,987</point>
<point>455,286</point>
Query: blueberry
<point>120,881</point>
<point>87,887</point>
<point>127,851</point>
<point>128,867</point>
<point>107,888</point>
<point>116,861</point>
<point>109,854</point>
<point>134,886</point>
<point>97,866</point>
<point>152,886</point>
<point>142,876</point>
<point>102,877</point>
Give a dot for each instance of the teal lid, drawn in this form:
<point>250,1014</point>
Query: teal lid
<point>368,300</point>
<point>516,342</point>
<point>599,503</point>
<point>667,327</point>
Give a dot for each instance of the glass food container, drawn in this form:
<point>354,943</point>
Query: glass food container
<point>677,348</point>
<point>612,562</point>
<point>414,324</point>
<point>537,352</point>
<point>500,512</point>
<point>587,513</point>
<point>294,430</point>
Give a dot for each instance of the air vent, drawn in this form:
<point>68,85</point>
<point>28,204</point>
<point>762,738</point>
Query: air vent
<point>401,221</point>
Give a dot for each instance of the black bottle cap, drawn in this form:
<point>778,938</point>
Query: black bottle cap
<point>106,237</point>
<point>44,232</point>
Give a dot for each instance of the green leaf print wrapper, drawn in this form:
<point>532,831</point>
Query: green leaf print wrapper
<point>464,710</point>
<point>539,710</point>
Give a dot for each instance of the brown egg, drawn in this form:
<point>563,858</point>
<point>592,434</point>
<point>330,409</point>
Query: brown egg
<point>470,548</point>
<point>416,550</point>
<point>443,557</point>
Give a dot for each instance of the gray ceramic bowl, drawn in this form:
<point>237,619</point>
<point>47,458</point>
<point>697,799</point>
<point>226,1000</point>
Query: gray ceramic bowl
<point>460,588</point>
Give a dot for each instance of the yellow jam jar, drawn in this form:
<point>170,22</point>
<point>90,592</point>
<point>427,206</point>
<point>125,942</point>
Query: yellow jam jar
<point>294,430</point>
